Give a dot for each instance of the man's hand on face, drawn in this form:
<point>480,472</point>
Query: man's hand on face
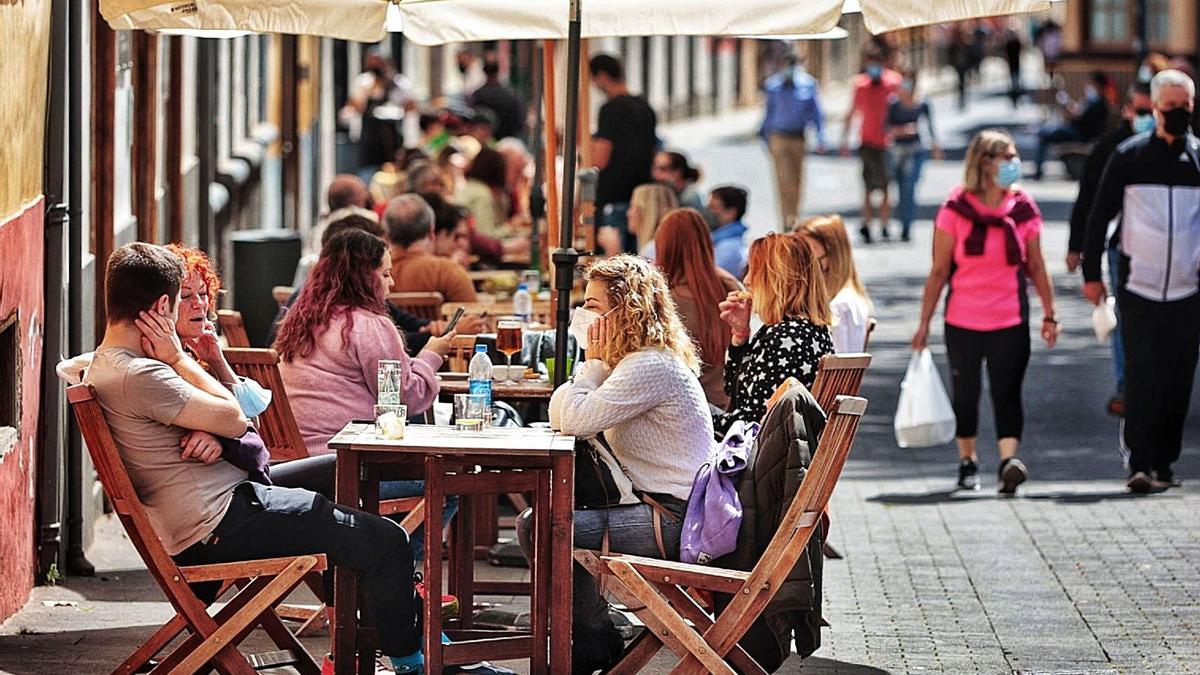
<point>159,340</point>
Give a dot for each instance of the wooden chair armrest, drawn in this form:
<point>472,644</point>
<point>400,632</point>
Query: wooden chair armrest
<point>683,574</point>
<point>248,569</point>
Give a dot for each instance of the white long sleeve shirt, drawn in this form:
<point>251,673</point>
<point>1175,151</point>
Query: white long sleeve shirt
<point>652,411</point>
<point>851,314</point>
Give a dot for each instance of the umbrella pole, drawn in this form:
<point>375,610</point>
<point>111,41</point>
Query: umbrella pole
<point>565,257</point>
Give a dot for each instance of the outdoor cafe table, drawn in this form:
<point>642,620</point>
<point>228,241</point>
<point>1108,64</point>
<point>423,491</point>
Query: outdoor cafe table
<point>536,391</point>
<point>469,464</point>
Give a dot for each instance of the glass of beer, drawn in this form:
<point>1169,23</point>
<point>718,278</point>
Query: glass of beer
<point>508,340</point>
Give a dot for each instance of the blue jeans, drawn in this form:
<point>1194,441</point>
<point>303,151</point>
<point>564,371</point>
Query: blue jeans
<point>630,530</point>
<point>317,474</point>
<point>906,168</point>
<point>1118,343</point>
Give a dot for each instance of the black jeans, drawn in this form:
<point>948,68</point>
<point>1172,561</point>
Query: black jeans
<point>1161,342</point>
<point>1007,354</point>
<point>266,521</point>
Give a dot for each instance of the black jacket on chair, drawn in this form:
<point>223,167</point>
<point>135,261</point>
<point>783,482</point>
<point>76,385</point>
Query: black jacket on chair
<point>776,466</point>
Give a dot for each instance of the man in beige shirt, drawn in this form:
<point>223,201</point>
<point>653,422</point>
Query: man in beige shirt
<point>409,223</point>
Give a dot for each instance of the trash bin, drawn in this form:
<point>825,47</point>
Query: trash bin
<point>262,259</point>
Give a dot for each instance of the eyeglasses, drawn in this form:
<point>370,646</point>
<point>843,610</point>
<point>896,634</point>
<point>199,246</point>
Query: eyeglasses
<point>1006,156</point>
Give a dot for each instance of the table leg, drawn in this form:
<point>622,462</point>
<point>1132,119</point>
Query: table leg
<point>562,533</point>
<point>345,580</point>
<point>435,496</point>
<point>462,557</point>
<point>541,569</point>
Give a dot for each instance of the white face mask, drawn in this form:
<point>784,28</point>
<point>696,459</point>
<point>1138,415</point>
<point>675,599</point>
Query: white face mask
<point>581,321</point>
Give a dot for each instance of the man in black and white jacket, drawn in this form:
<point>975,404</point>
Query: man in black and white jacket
<point>1153,182</point>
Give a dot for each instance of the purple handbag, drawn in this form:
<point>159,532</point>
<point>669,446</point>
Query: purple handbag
<point>714,510</point>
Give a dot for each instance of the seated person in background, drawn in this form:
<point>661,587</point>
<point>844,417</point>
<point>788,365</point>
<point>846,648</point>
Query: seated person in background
<point>728,205</point>
<point>206,511</point>
<point>483,194</point>
<point>673,170</point>
<point>639,388</point>
<point>698,287</point>
<point>345,190</point>
<point>787,291</point>
<point>416,330</point>
<point>451,230</point>
<point>849,305</point>
<point>1086,120</point>
<point>414,268</point>
<point>646,206</point>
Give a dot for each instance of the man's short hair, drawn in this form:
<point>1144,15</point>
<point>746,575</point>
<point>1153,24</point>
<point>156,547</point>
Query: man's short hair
<point>1171,78</point>
<point>1138,88</point>
<point>136,276</point>
<point>607,64</point>
<point>733,197</point>
<point>408,219</point>
<point>491,67</point>
<point>351,218</point>
<point>346,190</point>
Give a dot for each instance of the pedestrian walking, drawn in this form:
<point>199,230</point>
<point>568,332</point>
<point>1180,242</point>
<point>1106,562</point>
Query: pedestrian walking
<point>1153,182</point>
<point>1013,46</point>
<point>379,96</point>
<point>623,146</point>
<point>986,247</point>
<point>873,89</point>
<point>908,152</point>
<point>793,105</point>
<point>1138,114</point>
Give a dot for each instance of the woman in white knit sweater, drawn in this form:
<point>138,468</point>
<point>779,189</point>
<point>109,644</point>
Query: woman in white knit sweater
<point>640,388</point>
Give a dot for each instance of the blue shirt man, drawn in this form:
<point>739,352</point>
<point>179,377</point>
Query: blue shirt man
<point>793,105</point>
<point>728,204</point>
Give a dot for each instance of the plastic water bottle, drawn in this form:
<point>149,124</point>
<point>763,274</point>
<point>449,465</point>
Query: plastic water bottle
<point>480,374</point>
<point>523,303</point>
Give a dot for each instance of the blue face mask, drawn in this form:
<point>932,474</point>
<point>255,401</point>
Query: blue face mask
<point>1143,123</point>
<point>874,71</point>
<point>1008,172</point>
<point>251,397</point>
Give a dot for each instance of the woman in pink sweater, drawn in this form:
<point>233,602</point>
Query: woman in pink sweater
<point>334,336</point>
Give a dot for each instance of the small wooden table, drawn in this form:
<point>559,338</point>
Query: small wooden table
<point>471,464</point>
<point>525,390</point>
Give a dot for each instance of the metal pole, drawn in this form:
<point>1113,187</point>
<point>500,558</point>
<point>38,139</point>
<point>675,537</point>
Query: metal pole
<point>1141,45</point>
<point>565,257</point>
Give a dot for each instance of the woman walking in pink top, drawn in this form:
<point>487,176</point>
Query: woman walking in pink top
<point>986,247</point>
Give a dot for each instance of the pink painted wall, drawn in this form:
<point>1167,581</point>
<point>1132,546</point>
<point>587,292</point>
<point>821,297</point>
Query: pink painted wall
<point>21,269</point>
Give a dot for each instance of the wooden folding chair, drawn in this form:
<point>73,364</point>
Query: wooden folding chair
<point>233,327</point>
<point>282,293</point>
<point>462,348</point>
<point>871,324</point>
<point>213,639</point>
<point>838,375</point>
<point>659,588</point>
<point>423,305</point>
<point>281,434</point>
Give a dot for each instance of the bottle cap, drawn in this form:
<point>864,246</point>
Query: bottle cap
<point>480,349</point>
<point>522,286</point>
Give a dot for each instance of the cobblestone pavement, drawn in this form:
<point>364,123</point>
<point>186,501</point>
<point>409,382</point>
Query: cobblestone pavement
<point>1072,576</point>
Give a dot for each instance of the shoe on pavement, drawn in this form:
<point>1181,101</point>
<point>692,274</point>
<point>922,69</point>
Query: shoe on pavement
<point>883,233</point>
<point>1168,479</point>
<point>1012,474</point>
<point>865,231</point>
<point>1141,483</point>
<point>481,668</point>
<point>968,474</point>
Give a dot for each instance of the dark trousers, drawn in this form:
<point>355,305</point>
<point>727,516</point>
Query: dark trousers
<point>1161,342</point>
<point>1006,352</point>
<point>266,521</point>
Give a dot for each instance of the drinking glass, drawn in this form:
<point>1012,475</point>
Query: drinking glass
<point>390,420</point>
<point>471,412</point>
<point>508,340</point>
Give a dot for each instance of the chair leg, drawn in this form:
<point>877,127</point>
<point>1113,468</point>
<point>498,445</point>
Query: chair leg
<point>698,615</point>
<point>152,646</point>
<point>240,622</point>
<point>831,552</point>
<point>638,654</point>
<point>694,645</point>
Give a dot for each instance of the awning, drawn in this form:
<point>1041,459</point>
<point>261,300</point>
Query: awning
<point>359,20</point>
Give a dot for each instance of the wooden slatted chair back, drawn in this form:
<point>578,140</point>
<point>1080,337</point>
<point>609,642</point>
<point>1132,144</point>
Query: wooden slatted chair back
<point>423,305</point>
<point>277,424</point>
<point>233,327</point>
<point>839,375</point>
<point>462,348</point>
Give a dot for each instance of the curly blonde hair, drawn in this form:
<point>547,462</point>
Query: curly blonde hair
<point>643,312</point>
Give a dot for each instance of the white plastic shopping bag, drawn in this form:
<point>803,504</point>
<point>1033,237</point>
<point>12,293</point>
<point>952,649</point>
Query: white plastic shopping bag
<point>1104,318</point>
<point>924,416</point>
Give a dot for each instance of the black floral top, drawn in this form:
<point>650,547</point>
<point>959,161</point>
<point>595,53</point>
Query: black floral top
<point>791,348</point>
